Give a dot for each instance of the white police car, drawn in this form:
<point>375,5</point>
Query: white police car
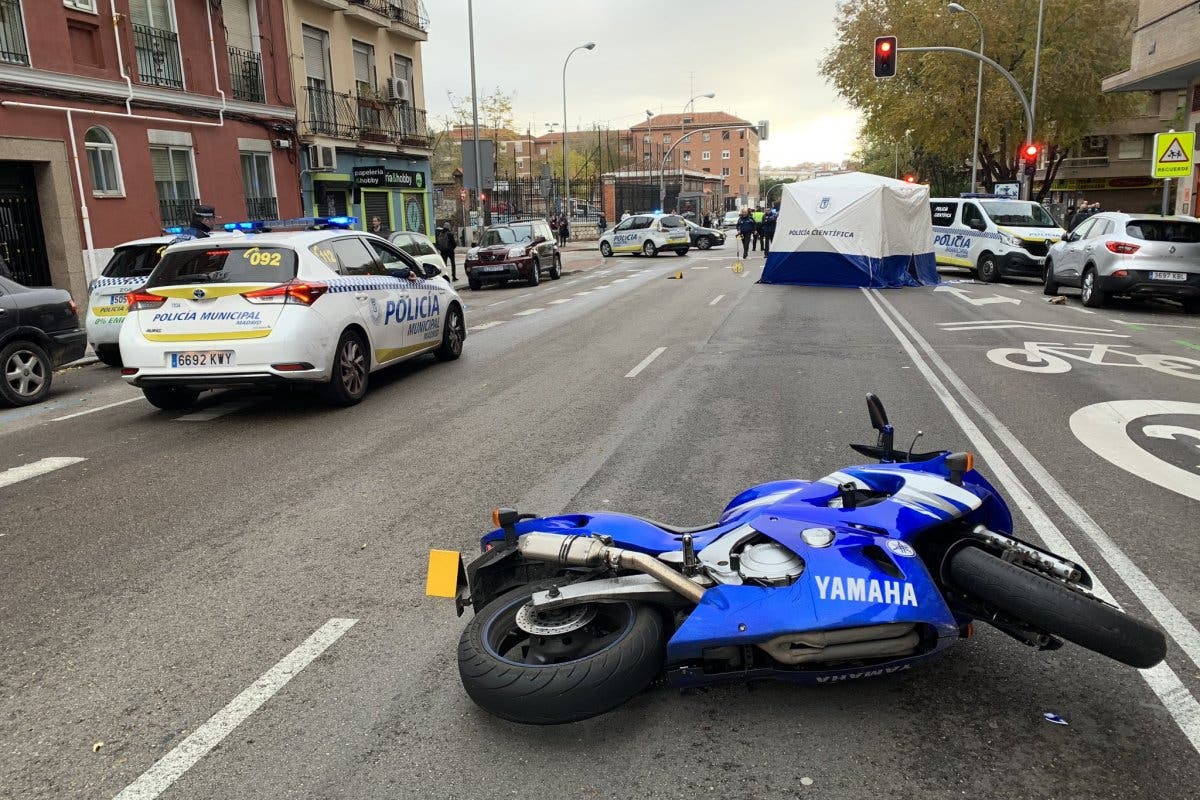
<point>322,307</point>
<point>127,270</point>
<point>993,236</point>
<point>647,234</point>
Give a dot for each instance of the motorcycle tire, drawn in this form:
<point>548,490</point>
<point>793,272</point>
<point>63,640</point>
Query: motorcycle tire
<point>565,690</point>
<point>1053,607</point>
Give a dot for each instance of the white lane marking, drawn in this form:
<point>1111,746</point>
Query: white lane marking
<point>716,300</point>
<point>214,412</point>
<point>961,294</point>
<point>483,326</point>
<point>1008,324</point>
<point>620,280</point>
<point>97,408</point>
<point>1080,309</point>
<point>602,273</point>
<point>1162,679</point>
<point>170,768</point>
<point>581,294</point>
<point>1154,324</point>
<point>528,311</point>
<point>560,300</point>
<point>1025,291</point>
<point>704,267</point>
<point>521,296</point>
<point>36,468</point>
<point>633,373</point>
<point>1104,429</point>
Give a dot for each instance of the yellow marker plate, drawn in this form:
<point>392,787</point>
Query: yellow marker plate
<point>445,568</point>
<point>737,267</point>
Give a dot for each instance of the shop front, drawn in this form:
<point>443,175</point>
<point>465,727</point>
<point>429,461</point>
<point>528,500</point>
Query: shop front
<point>395,191</point>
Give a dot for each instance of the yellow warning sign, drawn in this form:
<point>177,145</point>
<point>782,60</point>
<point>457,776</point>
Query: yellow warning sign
<point>1173,154</point>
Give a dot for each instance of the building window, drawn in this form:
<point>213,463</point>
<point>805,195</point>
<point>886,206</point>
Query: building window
<point>645,158</point>
<point>687,155</point>
<point>81,5</point>
<point>646,139</point>
<point>364,67</point>
<point>707,170</point>
<point>707,136</point>
<point>741,152</point>
<point>258,186</point>
<point>1131,147</point>
<point>155,43</point>
<point>245,62</point>
<point>724,172</point>
<point>105,163</point>
<point>725,135</point>
<point>175,183</point>
<point>741,170</point>
<point>706,155</point>
<point>724,154</point>
<point>541,151</point>
<point>666,138</point>
<point>402,70</point>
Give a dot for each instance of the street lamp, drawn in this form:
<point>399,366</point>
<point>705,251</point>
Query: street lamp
<point>566,174</point>
<point>682,129</point>
<point>956,8</point>
<point>475,107</point>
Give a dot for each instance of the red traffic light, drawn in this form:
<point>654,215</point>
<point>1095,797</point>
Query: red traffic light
<point>885,46</point>
<point>885,56</point>
<point>1030,152</point>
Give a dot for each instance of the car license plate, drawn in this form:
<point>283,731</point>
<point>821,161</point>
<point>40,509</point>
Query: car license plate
<point>201,358</point>
<point>1168,276</point>
<point>490,269</point>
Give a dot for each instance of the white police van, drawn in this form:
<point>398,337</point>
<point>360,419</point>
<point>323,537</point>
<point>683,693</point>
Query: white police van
<point>647,234</point>
<point>323,307</point>
<point>992,236</point>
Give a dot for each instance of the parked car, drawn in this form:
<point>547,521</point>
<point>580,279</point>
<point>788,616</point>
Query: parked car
<point>704,238</point>
<point>127,270</point>
<point>39,331</point>
<point>729,220</point>
<point>648,234</point>
<point>993,236</point>
<point>516,251</point>
<point>1135,255</point>
<point>419,247</point>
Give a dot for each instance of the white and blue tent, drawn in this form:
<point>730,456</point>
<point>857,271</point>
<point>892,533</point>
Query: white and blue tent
<point>853,229</point>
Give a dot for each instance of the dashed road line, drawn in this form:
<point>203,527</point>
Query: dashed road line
<point>716,300</point>
<point>704,267</point>
<point>1140,325</point>
<point>173,765</point>
<point>560,300</point>
<point>97,408</point>
<point>36,468</point>
<point>483,326</point>
<point>655,353</point>
<point>528,311</point>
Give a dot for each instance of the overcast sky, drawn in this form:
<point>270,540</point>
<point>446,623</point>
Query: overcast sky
<point>759,57</point>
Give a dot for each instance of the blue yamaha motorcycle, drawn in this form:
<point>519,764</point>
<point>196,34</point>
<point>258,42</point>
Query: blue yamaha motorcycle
<point>865,572</point>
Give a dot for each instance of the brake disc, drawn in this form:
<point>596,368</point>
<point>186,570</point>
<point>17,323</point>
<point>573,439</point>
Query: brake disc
<point>556,622</point>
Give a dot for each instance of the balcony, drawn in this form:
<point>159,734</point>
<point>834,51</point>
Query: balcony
<point>262,208</point>
<point>176,212</point>
<point>407,13</point>
<point>12,34</point>
<point>365,118</point>
<point>157,56</point>
<point>1084,162</point>
<point>245,73</point>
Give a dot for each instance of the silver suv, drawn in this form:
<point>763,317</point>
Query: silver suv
<point>1134,255</point>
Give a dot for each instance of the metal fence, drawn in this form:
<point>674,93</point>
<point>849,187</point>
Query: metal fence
<point>367,118</point>
<point>514,198</point>
<point>157,56</point>
<point>245,73</point>
<point>176,212</point>
<point>262,208</point>
<point>12,33</point>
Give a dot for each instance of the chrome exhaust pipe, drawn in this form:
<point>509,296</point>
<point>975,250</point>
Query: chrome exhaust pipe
<point>588,551</point>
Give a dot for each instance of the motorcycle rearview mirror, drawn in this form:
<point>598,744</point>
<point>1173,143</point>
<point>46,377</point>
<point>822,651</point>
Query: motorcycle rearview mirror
<point>506,519</point>
<point>879,417</point>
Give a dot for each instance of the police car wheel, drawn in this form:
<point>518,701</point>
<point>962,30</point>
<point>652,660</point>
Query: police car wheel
<point>171,398</point>
<point>535,273</point>
<point>649,249</point>
<point>109,355</point>
<point>682,252</point>
<point>351,367</point>
<point>556,270</point>
<point>1049,285</point>
<point>605,249</point>
<point>704,243</point>
<point>25,373</point>
<point>452,336</point>
<point>986,270</point>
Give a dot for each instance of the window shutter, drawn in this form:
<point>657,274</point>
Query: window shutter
<point>314,54</point>
<point>139,12</point>
<point>160,14</point>
<point>160,161</point>
<point>237,24</point>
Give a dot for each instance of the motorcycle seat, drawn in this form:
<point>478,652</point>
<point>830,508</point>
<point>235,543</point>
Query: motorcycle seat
<point>678,530</point>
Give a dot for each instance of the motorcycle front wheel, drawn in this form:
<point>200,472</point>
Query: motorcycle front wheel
<point>1057,609</point>
<point>560,666</point>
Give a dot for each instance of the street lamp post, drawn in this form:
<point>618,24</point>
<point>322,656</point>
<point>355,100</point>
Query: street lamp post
<point>475,109</point>
<point>566,173</point>
<point>956,8</point>
<point>682,129</point>
<point>1037,60</point>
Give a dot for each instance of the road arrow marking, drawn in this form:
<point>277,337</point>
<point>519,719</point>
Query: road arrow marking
<point>977,301</point>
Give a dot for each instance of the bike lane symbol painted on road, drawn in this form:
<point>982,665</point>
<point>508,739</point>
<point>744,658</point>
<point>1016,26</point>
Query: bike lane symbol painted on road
<point>1156,440</point>
<point>1055,358</point>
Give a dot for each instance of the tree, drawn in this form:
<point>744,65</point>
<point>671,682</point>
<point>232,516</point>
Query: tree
<point>933,94</point>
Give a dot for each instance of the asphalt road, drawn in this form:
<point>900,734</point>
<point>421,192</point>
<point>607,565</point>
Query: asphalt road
<point>260,561</point>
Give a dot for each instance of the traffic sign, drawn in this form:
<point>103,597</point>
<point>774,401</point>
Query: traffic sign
<point>1173,154</point>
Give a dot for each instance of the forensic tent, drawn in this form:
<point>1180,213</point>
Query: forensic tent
<point>853,229</point>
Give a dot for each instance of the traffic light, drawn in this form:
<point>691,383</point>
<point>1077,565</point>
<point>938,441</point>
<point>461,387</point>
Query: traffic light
<point>910,179</point>
<point>483,197</point>
<point>885,57</point>
<point>1029,157</point>
<point>462,194</point>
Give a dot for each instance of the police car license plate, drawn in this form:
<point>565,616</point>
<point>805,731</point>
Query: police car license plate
<point>1168,276</point>
<point>201,358</point>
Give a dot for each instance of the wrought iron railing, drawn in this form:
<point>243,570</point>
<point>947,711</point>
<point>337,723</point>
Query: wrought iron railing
<point>157,56</point>
<point>262,208</point>
<point>12,33</point>
<point>245,73</point>
<point>176,212</point>
<point>330,113</point>
<point>408,12</point>
<point>364,117</point>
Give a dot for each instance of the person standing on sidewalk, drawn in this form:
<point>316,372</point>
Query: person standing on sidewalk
<point>766,230</point>
<point>564,231</point>
<point>757,216</point>
<point>445,247</point>
<point>745,229</point>
<point>602,224</point>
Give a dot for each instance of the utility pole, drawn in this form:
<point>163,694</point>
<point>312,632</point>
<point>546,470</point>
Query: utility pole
<point>475,112</point>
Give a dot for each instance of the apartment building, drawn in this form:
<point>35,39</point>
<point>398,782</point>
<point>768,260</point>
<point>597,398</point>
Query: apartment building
<point>356,65</point>
<point>729,149</point>
<point>1165,58</point>
<point>117,117</point>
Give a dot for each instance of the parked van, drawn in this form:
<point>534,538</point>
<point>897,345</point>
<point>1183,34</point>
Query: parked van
<point>992,236</point>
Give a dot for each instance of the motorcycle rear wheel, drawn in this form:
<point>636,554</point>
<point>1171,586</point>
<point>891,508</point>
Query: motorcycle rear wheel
<point>548,680</point>
<point>1055,608</point>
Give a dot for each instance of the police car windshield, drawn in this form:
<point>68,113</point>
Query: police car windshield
<point>238,264</point>
<point>671,222</point>
<point>515,234</point>
<point>1018,212</point>
<point>139,260</point>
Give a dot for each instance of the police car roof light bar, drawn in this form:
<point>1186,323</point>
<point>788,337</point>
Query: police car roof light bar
<point>297,224</point>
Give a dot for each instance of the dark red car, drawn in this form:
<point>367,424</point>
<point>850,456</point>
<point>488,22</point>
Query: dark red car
<point>516,251</point>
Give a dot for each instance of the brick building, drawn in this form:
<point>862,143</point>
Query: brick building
<point>1165,58</point>
<point>730,151</point>
<point>119,116</point>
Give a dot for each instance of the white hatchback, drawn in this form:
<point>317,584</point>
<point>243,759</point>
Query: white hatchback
<point>648,234</point>
<point>323,308</point>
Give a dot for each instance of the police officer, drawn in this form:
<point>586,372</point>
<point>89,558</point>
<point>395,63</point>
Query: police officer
<point>445,245</point>
<point>203,217</point>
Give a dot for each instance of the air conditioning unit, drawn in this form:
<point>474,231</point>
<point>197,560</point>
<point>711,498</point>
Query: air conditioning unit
<point>321,158</point>
<point>399,89</point>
